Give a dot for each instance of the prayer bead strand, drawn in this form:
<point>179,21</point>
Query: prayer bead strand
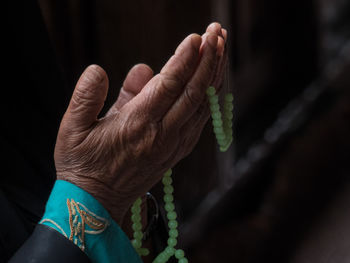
<point>222,122</point>
<point>137,227</point>
<point>169,206</point>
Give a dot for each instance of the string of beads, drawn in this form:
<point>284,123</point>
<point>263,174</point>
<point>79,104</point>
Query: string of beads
<point>222,124</point>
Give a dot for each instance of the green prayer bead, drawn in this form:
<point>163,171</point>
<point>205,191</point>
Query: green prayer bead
<point>214,107</point>
<point>143,251</point>
<point>228,138</point>
<point>169,207</point>
<point>179,253</point>
<point>224,148</point>
<point>168,189</point>
<point>217,123</point>
<point>228,107</point>
<point>227,124</point>
<point>162,257</point>
<point>228,115</point>
<point>158,260</point>
<point>211,91</point>
<point>138,202</point>
<point>167,180</point>
<point>218,130</point>
<point>172,242</point>
<point>172,224</point>
<point>138,235</point>
<point>135,209</point>
<point>216,115</point>
<point>183,260</point>
<point>168,173</point>
<point>229,97</point>
<point>169,251</point>
<point>136,226</point>
<point>136,243</point>
<point>173,233</point>
<point>135,217</point>
<point>228,131</point>
<point>168,198</point>
<point>171,215</point>
<point>214,100</point>
<point>221,141</point>
<point>220,136</point>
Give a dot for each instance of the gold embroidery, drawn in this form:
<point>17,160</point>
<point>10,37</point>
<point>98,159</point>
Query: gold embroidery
<point>77,229</point>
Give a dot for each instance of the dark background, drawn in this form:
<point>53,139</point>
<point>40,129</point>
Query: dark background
<point>281,193</point>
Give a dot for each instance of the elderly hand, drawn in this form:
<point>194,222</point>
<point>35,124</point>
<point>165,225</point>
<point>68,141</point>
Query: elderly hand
<point>155,122</point>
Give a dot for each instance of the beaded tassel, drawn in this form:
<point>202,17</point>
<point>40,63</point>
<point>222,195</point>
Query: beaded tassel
<point>222,122</point>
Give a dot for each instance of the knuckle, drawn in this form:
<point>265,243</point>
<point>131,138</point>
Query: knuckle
<point>169,84</point>
<point>192,95</point>
<point>83,98</point>
<point>138,138</point>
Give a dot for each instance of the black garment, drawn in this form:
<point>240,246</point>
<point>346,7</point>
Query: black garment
<point>32,106</point>
<point>47,245</point>
<point>33,102</point>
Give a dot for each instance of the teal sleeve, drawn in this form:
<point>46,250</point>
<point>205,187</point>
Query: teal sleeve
<point>82,219</point>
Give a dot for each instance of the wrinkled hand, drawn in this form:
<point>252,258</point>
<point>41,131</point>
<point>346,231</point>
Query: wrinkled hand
<point>155,122</point>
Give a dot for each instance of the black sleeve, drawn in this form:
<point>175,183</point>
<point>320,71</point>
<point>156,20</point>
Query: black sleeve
<point>32,106</point>
<point>47,245</point>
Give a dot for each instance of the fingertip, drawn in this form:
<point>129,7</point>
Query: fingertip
<point>144,69</point>
<point>196,40</point>
<point>94,74</point>
<point>137,78</point>
<point>214,27</point>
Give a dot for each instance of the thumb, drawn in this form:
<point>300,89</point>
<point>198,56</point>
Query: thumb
<point>88,98</point>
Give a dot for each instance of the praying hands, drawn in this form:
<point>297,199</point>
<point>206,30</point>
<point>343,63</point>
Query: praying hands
<point>155,122</point>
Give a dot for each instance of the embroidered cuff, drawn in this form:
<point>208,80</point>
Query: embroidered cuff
<point>82,219</point>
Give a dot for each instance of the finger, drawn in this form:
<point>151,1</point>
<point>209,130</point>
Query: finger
<point>224,34</point>
<point>222,53</point>
<point>221,46</point>
<point>87,99</point>
<point>136,79</point>
<point>214,28</point>
<point>163,90</point>
<point>194,92</point>
<point>192,130</point>
<point>220,71</point>
<point>217,29</point>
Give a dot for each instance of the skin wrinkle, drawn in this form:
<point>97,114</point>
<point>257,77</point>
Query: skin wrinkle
<point>87,95</point>
<point>121,156</point>
<point>187,98</point>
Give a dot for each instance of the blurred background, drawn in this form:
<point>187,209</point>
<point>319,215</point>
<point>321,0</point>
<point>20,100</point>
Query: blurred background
<point>282,191</point>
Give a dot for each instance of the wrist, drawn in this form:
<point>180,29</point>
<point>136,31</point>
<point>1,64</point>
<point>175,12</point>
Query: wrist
<point>116,206</point>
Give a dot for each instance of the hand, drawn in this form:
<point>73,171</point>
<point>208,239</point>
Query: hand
<point>155,122</point>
